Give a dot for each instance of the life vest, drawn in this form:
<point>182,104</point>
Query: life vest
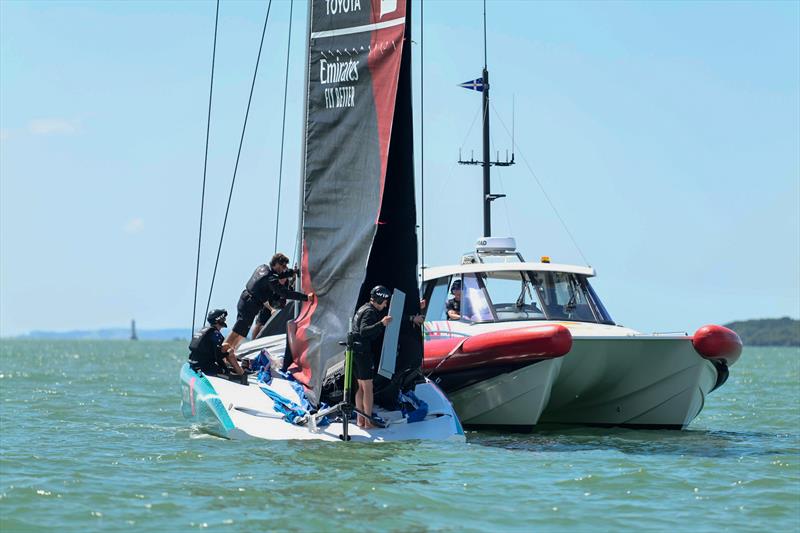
<point>203,355</point>
<point>360,344</point>
<point>259,284</point>
<point>198,338</point>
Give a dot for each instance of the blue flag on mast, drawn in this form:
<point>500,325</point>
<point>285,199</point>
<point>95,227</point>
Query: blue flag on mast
<point>475,85</point>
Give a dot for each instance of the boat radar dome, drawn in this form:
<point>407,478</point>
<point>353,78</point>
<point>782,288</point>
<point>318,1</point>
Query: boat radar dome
<point>496,244</point>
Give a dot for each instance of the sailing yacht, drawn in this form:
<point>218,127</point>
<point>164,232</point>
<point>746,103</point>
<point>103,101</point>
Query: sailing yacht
<point>357,231</point>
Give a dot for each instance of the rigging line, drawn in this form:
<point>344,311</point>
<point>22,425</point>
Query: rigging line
<point>205,168</point>
<point>544,192</point>
<point>422,128</point>
<point>238,155</point>
<point>283,128</point>
<point>453,166</point>
<point>472,125</point>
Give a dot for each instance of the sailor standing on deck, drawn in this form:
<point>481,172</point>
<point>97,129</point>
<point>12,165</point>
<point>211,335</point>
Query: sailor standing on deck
<point>264,286</point>
<point>205,350</point>
<point>368,325</point>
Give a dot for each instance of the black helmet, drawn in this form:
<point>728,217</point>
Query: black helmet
<point>217,316</point>
<point>379,294</point>
<point>456,286</point>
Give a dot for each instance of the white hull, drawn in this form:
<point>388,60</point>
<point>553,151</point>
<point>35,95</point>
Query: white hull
<point>643,381</point>
<point>513,399</point>
<point>235,411</point>
<point>612,376</point>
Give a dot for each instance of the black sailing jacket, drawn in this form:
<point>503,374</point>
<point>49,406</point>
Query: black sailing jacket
<point>264,285</point>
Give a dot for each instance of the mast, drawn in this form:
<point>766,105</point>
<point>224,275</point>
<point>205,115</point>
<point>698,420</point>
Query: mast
<point>487,202</point>
<point>487,195</point>
<point>482,85</point>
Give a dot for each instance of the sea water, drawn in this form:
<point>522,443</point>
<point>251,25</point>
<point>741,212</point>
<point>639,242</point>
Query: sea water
<point>92,438</point>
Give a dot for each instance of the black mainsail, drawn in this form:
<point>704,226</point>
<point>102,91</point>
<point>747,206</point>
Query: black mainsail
<point>359,213</point>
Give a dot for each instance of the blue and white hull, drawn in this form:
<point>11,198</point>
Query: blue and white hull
<point>235,411</point>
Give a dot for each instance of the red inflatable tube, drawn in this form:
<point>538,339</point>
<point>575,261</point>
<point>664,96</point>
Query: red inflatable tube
<point>717,342</point>
<point>510,346</point>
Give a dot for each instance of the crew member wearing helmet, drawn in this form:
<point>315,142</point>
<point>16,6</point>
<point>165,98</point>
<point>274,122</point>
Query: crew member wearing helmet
<point>205,350</point>
<point>264,286</point>
<point>368,325</point>
<point>454,304</point>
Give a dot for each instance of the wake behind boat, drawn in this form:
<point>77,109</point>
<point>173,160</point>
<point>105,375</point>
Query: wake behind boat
<point>358,76</point>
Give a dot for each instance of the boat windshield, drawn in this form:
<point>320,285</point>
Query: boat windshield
<point>506,296</point>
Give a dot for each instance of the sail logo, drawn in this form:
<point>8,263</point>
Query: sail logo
<point>334,7</point>
<point>338,97</point>
<point>337,71</point>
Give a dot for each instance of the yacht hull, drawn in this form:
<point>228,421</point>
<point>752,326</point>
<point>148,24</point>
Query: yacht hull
<point>640,381</point>
<point>513,400</point>
<point>235,411</point>
<point>497,377</point>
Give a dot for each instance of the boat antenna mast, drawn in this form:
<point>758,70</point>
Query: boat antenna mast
<point>482,84</point>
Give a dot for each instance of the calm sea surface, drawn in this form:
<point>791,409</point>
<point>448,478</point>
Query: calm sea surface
<point>92,439</point>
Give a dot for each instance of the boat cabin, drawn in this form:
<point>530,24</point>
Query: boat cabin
<point>498,285</point>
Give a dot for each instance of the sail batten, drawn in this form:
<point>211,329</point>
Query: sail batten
<point>358,29</point>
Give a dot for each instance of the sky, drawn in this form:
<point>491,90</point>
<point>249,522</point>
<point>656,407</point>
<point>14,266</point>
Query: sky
<point>664,135</point>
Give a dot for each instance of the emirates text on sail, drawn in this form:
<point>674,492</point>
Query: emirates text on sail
<point>337,71</point>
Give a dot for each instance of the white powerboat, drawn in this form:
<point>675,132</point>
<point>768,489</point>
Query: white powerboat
<point>547,350</point>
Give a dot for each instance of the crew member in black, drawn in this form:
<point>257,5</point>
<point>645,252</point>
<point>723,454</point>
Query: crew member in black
<point>264,286</point>
<point>368,325</point>
<point>454,303</point>
<point>205,350</point>
<point>270,308</point>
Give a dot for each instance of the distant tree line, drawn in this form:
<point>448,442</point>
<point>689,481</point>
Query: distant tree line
<point>768,331</point>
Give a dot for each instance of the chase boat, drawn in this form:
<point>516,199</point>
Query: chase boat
<point>536,345</point>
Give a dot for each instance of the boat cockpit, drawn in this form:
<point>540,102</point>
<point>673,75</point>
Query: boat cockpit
<point>499,286</point>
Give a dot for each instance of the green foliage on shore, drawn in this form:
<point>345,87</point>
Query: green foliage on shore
<point>768,331</point>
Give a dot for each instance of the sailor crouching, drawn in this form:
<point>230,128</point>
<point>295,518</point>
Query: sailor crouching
<point>368,325</point>
<point>205,350</point>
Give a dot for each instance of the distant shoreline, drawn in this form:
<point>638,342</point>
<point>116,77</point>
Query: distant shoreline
<point>779,332</point>
<point>168,334</point>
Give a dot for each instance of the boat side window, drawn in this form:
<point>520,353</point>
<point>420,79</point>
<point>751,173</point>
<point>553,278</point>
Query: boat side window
<point>475,306</point>
<point>600,309</point>
<point>564,297</point>
<point>512,296</point>
<point>436,293</point>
